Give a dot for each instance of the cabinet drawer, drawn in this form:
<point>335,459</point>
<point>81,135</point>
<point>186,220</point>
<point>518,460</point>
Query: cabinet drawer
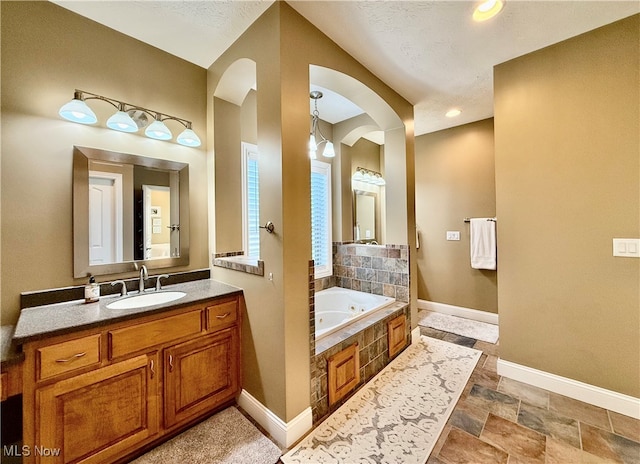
<point>139,337</point>
<point>67,356</point>
<point>222,315</point>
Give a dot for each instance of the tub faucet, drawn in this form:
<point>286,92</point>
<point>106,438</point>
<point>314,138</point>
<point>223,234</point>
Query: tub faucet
<point>144,275</point>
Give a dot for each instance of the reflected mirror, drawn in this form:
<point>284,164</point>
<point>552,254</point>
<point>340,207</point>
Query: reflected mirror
<point>126,209</point>
<point>365,215</point>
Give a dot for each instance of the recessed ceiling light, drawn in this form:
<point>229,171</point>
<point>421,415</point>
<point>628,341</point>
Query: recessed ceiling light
<point>453,113</point>
<point>487,9</point>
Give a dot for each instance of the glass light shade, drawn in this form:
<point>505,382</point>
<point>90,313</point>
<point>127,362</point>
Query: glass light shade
<point>158,130</point>
<point>78,111</point>
<point>329,152</point>
<point>312,143</point>
<point>358,176</point>
<point>121,121</point>
<point>188,138</point>
<point>379,180</point>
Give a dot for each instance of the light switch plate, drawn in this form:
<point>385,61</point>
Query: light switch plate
<point>453,235</point>
<point>626,247</point>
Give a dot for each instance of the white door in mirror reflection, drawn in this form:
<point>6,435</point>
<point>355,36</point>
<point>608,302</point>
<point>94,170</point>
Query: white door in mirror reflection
<point>105,217</point>
<point>157,220</point>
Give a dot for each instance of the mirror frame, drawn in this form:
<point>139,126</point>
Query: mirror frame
<point>81,157</point>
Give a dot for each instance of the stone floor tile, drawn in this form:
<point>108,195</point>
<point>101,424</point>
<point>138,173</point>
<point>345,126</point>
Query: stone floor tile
<point>514,439</point>
<point>550,423</point>
<point>466,422</point>
<point>460,340</point>
<point>626,426</point>
<point>463,448</point>
<point>559,452</point>
<point>486,347</point>
<point>485,378</point>
<point>494,402</point>
<point>609,445</point>
<point>579,410</point>
<point>431,332</point>
<point>440,441</point>
<point>491,364</point>
<point>527,393</point>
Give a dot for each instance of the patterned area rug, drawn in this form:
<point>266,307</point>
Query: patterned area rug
<point>398,416</point>
<point>225,438</point>
<point>458,325</point>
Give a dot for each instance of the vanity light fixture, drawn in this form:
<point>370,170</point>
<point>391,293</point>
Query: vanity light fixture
<point>329,151</point>
<point>128,118</point>
<point>368,176</point>
<point>487,10</point>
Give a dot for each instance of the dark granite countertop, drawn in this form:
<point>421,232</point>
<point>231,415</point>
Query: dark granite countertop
<point>56,319</point>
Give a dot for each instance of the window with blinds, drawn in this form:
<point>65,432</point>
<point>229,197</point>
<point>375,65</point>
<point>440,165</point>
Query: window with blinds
<point>321,218</point>
<point>250,201</point>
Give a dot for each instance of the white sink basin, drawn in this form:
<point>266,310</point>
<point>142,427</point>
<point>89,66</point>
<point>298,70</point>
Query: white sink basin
<point>146,299</point>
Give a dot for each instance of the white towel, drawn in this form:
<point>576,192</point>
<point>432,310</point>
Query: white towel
<point>483,243</point>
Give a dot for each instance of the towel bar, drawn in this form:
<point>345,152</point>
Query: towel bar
<point>490,219</point>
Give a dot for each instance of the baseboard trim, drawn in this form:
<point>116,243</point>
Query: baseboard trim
<point>597,396</point>
<point>285,433</point>
<point>415,335</point>
<point>467,313</point>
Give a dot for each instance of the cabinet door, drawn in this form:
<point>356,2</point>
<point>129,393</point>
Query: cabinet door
<point>200,375</point>
<point>397,335</point>
<point>97,416</point>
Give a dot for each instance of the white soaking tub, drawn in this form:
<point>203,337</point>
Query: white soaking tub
<point>338,307</point>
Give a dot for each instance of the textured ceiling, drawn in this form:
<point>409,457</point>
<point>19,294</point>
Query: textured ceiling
<point>430,52</point>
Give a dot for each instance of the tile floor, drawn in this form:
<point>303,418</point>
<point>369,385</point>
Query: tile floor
<point>501,421</point>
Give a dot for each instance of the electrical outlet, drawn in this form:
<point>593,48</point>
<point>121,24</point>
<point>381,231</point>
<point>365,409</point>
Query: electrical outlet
<point>453,235</point>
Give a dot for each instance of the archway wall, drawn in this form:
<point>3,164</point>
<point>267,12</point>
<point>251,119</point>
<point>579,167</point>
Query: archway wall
<point>276,328</point>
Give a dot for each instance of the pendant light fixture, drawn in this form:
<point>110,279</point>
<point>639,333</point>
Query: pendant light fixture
<point>329,151</point>
<point>128,118</point>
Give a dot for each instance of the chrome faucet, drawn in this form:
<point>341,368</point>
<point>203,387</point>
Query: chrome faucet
<point>123,288</point>
<point>144,275</point>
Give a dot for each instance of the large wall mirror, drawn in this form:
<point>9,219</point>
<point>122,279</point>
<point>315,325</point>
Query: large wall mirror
<point>365,224</point>
<point>128,209</point>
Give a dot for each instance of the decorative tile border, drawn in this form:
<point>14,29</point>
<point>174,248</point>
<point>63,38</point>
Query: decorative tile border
<point>236,261</point>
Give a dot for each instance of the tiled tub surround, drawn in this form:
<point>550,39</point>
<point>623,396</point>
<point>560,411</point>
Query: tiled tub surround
<point>371,336</point>
<point>378,269</point>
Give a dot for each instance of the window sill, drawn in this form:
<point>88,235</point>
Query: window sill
<point>240,263</point>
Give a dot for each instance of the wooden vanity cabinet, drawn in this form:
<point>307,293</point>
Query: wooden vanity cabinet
<point>101,395</point>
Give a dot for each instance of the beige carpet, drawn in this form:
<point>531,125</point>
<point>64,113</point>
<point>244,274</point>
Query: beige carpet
<point>398,416</point>
<point>225,438</point>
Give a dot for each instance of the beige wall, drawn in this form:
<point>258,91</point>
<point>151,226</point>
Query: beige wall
<point>47,52</point>
<point>454,179</point>
<point>276,328</point>
<point>567,183</point>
